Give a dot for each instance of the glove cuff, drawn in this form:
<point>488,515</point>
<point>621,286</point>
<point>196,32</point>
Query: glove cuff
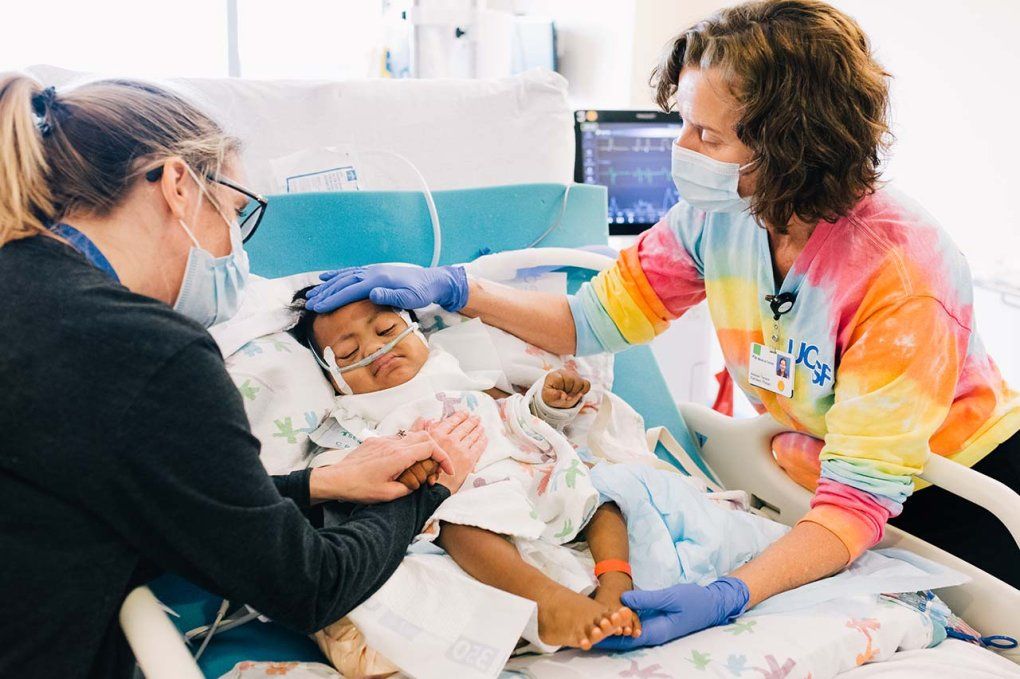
<point>457,294</point>
<point>733,596</point>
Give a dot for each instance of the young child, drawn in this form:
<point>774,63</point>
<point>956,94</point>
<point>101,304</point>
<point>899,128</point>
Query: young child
<point>529,486</point>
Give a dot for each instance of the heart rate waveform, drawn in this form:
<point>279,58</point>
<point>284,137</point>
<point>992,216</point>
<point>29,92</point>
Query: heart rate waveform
<point>638,175</point>
<point>640,211</point>
<point>613,144</point>
<point>634,163</point>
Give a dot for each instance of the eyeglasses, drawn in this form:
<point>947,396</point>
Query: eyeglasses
<point>252,213</point>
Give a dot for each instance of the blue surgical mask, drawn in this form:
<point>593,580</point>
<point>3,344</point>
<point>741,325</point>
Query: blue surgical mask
<point>213,287</point>
<point>706,183</point>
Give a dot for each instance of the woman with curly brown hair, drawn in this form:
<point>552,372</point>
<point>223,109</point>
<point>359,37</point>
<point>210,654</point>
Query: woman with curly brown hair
<point>784,227</point>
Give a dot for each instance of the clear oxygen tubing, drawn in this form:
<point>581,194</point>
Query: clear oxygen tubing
<point>437,232</point>
<point>559,220</point>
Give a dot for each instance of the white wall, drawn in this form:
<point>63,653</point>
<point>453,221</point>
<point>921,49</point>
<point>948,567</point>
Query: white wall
<point>595,40</point>
<point>656,23</point>
<point>955,104</point>
<point>129,38</point>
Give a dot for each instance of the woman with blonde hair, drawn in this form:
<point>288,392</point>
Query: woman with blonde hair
<point>126,449</point>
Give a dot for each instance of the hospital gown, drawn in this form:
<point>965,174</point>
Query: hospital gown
<point>529,483</point>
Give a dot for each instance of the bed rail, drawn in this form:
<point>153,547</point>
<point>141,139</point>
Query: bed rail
<point>159,648</point>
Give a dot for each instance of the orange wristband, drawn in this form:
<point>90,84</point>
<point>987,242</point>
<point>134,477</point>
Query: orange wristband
<point>611,565</point>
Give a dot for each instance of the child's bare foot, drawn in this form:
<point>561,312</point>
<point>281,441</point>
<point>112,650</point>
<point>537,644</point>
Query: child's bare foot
<point>611,586</point>
<point>566,618</point>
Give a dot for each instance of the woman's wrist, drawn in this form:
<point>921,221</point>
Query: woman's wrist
<point>458,290</point>
<point>324,485</point>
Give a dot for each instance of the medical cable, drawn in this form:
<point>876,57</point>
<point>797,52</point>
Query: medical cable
<point>437,233</point>
<point>999,641</point>
<point>242,617</point>
<point>555,225</point>
<point>212,629</point>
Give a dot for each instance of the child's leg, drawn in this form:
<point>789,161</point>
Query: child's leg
<point>607,539</point>
<point>565,618</point>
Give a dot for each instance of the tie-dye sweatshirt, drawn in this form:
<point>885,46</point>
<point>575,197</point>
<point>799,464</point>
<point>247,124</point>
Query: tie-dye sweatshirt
<point>888,365</point>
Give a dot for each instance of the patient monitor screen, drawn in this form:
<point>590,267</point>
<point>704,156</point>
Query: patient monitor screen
<point>628,152</point>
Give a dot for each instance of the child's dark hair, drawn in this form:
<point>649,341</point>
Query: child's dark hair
<point>302,330</point>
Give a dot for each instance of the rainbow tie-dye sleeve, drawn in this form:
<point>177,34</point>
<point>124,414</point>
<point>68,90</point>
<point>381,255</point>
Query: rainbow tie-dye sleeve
<point>896,385</point>
<point>652,283</point>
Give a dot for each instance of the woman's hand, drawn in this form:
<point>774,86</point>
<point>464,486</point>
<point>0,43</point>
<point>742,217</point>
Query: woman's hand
<point>677,611</point>
<point>368,474</point>
<point>463,438</point>
<point>404,287</point>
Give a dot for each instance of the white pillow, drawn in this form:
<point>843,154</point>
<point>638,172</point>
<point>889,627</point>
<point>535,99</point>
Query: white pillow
<point>459,133</point>
<point>285,393</point>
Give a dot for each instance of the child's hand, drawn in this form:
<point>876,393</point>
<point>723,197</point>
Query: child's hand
<point>420,473</point>
<point>563,388</point>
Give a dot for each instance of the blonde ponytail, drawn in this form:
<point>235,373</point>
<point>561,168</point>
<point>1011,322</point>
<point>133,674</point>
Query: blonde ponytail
<point>80,151</point>
<point>26,203</point>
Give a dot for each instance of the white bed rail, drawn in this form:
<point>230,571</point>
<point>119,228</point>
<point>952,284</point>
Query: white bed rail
<point>158,647</point>
<point>740,452</point>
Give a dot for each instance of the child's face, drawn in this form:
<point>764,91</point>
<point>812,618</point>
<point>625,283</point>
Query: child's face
<point>361,328</point>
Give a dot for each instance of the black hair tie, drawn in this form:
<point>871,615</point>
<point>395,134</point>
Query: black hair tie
<point>42,107</point>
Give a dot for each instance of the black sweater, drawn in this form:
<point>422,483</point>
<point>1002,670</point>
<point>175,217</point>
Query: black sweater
<point>125,451</point>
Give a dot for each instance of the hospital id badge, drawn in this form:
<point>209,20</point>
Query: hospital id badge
<point>770,369</point>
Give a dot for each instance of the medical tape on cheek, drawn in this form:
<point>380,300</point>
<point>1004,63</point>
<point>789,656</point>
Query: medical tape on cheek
<point>407,319</point>
<point>328,363</point>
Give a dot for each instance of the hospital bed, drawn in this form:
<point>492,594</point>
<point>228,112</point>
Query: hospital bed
<point>321,231</point>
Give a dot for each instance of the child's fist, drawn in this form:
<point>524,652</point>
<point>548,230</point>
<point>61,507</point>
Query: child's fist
<point>563,388</point>
<point>420,473</point>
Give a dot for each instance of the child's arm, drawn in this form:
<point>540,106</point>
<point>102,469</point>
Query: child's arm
<point>496,393</point>
<point>556,398</point>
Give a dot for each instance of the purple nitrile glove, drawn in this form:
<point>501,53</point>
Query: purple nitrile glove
<point>404,287</point>
<point>677,611</point>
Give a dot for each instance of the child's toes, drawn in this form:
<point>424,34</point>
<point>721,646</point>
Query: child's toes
<point>606,625</point>
<point>619,617</point>
<point>635,624</point>
<point>606,628</point>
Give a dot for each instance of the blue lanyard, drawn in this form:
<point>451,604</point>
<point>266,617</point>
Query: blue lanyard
<point>87,248</point>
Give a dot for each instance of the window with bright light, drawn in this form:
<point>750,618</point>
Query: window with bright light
<point>126,37</point>
<point>325,39</point>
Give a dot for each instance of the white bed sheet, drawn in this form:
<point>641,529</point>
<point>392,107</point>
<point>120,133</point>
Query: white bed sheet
<point>952,659</point>
<point>823,641</point>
